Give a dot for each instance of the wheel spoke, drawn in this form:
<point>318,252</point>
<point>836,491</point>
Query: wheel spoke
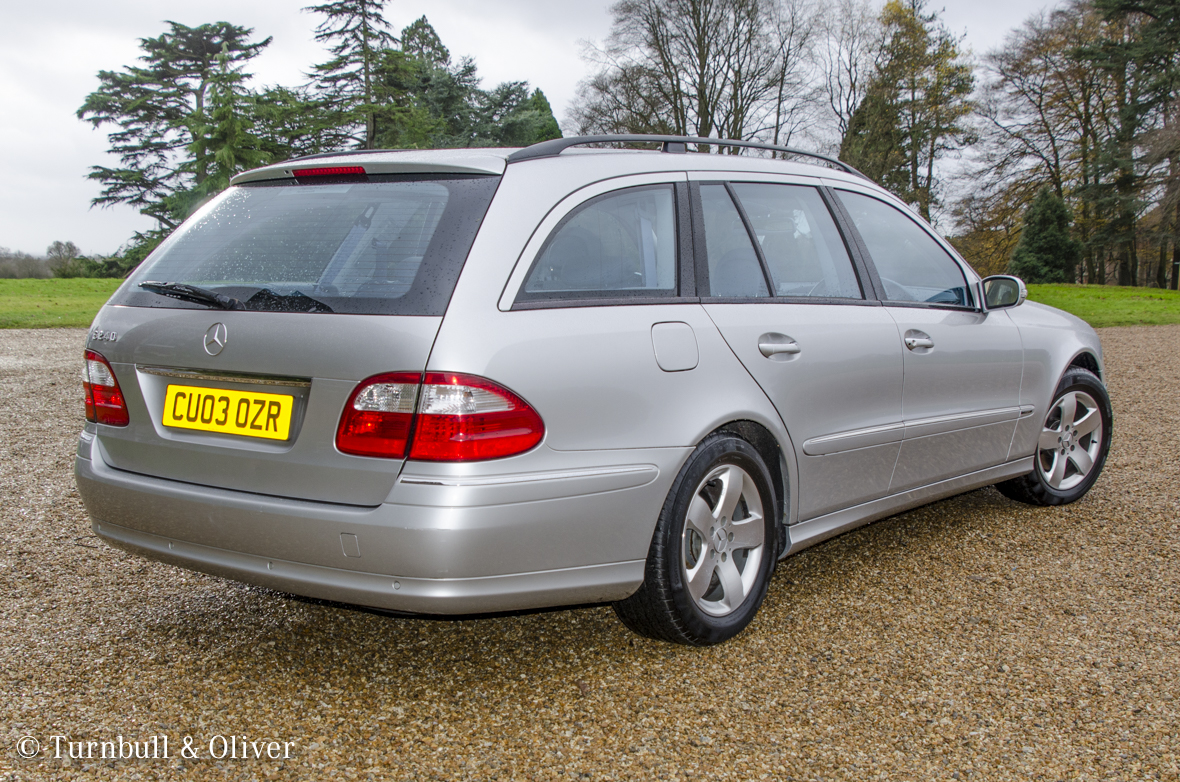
<point>748,533</point>
<point>1089,422</point>
<point>700,576</point>
<point>731,583</point>
<point>700,518</point>
<point>1050,440</point>
<point>1081,460</point>
<point>1058,473</point>
<point>1069,408</point>
<point>732,483</point>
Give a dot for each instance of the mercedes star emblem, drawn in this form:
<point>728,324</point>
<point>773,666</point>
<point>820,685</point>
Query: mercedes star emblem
<point>215,339</point>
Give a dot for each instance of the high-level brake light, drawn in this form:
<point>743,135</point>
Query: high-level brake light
<point>354,173</point>
<point>441,417</point>
<point>104,399</point>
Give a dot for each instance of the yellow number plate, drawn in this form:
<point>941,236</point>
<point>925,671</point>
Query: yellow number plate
<point>233,412</point>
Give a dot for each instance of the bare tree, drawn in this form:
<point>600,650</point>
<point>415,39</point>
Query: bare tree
<point>1043,117</point>
<point>847,56</point>
<point>709,68</point>
<point>795,27</point>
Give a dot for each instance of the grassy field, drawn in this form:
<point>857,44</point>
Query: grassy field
<point>38,304</point>
<point>53,303</point>
<point>1107,305</point>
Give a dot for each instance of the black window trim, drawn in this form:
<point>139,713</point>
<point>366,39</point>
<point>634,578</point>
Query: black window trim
<point>860,269</point>
<point>561,299</point>
<point>928,305</point>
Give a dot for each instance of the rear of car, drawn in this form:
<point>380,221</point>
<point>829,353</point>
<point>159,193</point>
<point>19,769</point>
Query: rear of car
<point>273,397</point>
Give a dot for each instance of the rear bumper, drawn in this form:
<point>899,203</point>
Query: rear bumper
<point>445,544</point>
<point>568,586</point>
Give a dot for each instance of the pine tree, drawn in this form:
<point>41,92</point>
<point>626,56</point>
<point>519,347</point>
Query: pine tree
<point>159,112</point>
<point>227,144</point>
<point>915,106</point>
<point>420,41</point>
<point>873,143</point>
<point>1046,252</point>
<point>358,34</point>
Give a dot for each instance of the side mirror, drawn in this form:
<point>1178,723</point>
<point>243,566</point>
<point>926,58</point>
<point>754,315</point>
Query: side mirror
<point>1003,290</point>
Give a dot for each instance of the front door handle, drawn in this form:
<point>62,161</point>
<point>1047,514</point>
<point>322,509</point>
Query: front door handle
<point>914,340</point>
<point>771,345</point>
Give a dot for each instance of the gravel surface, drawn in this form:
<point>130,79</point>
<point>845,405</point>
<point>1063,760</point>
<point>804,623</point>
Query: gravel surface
<point>971,639</point>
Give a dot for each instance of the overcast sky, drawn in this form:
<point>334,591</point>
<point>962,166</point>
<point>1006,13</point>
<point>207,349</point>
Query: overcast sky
<point>50,54</point>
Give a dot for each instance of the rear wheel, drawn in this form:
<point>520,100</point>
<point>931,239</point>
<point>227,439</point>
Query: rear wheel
<point>713,549</point>
<point>1073,444</point>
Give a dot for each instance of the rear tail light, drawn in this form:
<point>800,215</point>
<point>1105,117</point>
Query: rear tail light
<point>379,415</point>
<point>467,418</point>
<point>104,399</point>
<point>442,417</point>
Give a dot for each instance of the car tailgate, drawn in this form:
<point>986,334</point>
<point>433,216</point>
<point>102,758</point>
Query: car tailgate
<point>317,359</point>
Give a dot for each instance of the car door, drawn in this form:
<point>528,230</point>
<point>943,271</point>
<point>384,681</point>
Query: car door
<point>779,282</point>
<point>962,365</point>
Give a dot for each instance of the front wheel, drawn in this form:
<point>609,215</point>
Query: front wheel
<point>1073,444</point>
<point>713,550</point>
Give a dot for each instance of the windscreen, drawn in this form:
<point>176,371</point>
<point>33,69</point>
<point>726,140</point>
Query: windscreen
<point>393,246</point>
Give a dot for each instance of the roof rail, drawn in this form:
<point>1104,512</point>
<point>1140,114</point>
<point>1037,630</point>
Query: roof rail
<point>671,144</point>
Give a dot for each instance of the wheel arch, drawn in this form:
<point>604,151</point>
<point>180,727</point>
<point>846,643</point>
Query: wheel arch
<point>1087,360</point>
<point>768,447</point>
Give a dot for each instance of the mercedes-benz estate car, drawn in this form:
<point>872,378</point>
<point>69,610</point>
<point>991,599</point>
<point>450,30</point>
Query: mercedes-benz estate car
<point>466,381</point>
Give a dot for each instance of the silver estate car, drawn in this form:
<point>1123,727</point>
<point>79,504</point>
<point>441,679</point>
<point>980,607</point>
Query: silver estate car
<point>465,381</point>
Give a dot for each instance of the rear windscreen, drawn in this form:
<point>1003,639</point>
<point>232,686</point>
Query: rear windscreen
<point>391,246</point>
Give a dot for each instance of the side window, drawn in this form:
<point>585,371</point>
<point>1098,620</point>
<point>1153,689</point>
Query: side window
<point>733,264</point>
<point>621,243</point>
<point>799,241</point>
<point>912,266</point>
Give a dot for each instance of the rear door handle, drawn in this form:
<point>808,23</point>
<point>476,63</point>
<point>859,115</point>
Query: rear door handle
<point>917,339</point>
<point>777,344</point>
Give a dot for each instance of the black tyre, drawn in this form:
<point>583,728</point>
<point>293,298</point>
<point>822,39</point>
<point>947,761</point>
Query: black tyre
<point>713,550</point>
<point>1072,448</point>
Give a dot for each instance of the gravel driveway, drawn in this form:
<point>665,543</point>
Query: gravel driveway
<point>972,639</point>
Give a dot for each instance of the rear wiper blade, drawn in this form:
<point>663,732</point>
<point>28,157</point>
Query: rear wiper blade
<point>296,301</point>
<point>179,290</point>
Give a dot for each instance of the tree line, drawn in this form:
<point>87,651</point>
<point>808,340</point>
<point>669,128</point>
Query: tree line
<point>1054,156</point>
<point>186,118</point>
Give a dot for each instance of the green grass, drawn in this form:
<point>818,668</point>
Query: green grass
<point>38,304</point>
<point>53,303</point>
<point>1108,305</point>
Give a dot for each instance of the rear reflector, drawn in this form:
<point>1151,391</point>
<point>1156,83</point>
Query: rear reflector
<point>443,417</point>
<point>104,399</point>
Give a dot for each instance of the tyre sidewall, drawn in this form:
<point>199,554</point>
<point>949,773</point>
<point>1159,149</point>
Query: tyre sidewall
<point>699,626</point>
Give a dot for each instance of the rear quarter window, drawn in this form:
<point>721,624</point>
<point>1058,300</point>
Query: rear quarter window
<point>618,245</point>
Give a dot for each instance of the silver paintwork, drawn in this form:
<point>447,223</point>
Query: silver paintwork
<point>866,424</point>
<point>973,366</point>
<point>849,359</point>
<point>809,533</point>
